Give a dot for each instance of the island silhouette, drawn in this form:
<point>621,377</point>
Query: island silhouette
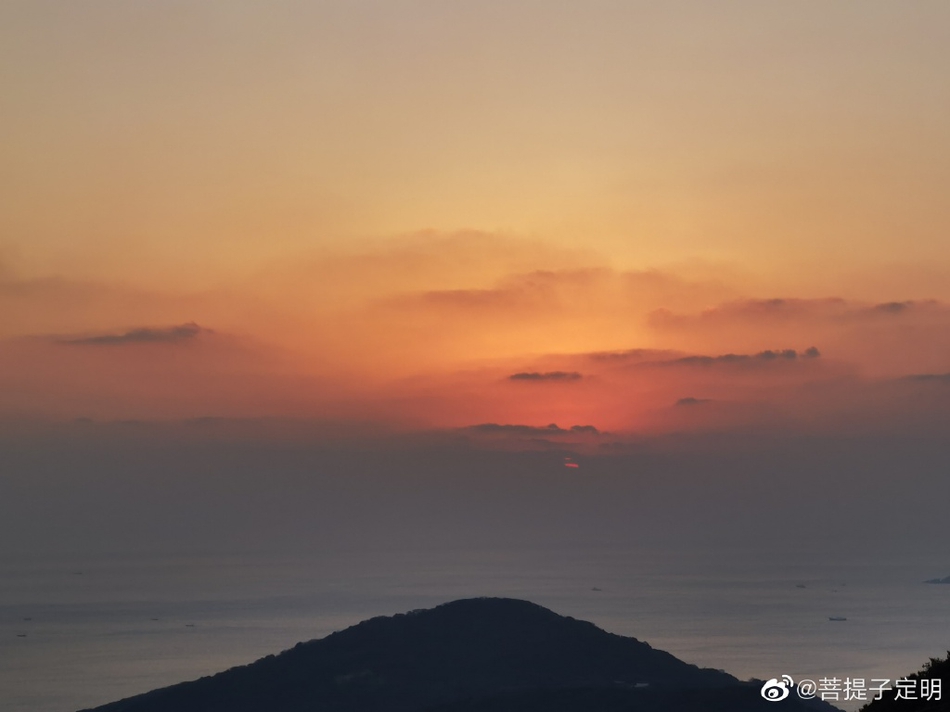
<point>473,655</point>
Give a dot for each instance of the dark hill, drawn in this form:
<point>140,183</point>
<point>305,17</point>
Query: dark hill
<point>934,669</point>
<point>475,655</point>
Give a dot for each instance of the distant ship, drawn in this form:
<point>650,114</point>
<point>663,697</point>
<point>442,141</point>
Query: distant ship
<point>837,618</point>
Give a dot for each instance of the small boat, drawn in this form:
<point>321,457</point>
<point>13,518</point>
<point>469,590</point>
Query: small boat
<point>837,618</point>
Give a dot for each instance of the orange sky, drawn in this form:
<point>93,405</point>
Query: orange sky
<point>382,211</point>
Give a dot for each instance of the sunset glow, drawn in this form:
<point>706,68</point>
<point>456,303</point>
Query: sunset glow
<point>204,218</point>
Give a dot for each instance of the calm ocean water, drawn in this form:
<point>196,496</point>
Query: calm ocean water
<point>76,633</point>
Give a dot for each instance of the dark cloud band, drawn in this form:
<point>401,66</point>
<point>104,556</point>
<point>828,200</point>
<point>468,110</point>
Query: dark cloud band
<point>547,376</point>
<point>144,335</point>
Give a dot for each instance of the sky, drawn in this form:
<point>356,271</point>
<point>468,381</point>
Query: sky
<point>533,226</point>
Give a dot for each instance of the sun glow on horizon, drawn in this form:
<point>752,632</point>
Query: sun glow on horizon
<point>651,199</point>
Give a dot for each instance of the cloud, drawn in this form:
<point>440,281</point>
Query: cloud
<point>145,335</point>
<point>905,307</point>
<point>929,377</point>
<point>689,400</point>
<point>585,429</point>
<point>830,309</point>
<point>884,338</point>
<point>531,430</point>
<point>581,290</point>
<point>547,376</point>
<point>892,307</point>
<point>752,309</point>
<point>461,319</point>
<point>472,298</point>
<point>740,359</point>
<point>629,355</point>
<point>538,290</point>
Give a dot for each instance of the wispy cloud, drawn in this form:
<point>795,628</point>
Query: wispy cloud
<point>762,357</point>
<point>144,335</point>
<point>929,377</point>
<point>535,376</point>
<point>629,355</point>
<point>833,309</point>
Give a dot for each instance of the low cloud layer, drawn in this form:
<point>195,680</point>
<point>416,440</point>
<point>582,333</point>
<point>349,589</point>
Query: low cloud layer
<point>65,489</point>
<point>520,436</point>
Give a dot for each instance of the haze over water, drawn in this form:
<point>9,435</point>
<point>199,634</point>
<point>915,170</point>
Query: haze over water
<point>96,639</point>
<point>259,545</point>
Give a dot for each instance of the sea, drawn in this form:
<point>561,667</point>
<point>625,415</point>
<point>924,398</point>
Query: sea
<point>80,631</point>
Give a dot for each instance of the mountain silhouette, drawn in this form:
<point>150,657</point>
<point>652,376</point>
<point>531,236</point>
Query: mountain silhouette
<point>474,655</point>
